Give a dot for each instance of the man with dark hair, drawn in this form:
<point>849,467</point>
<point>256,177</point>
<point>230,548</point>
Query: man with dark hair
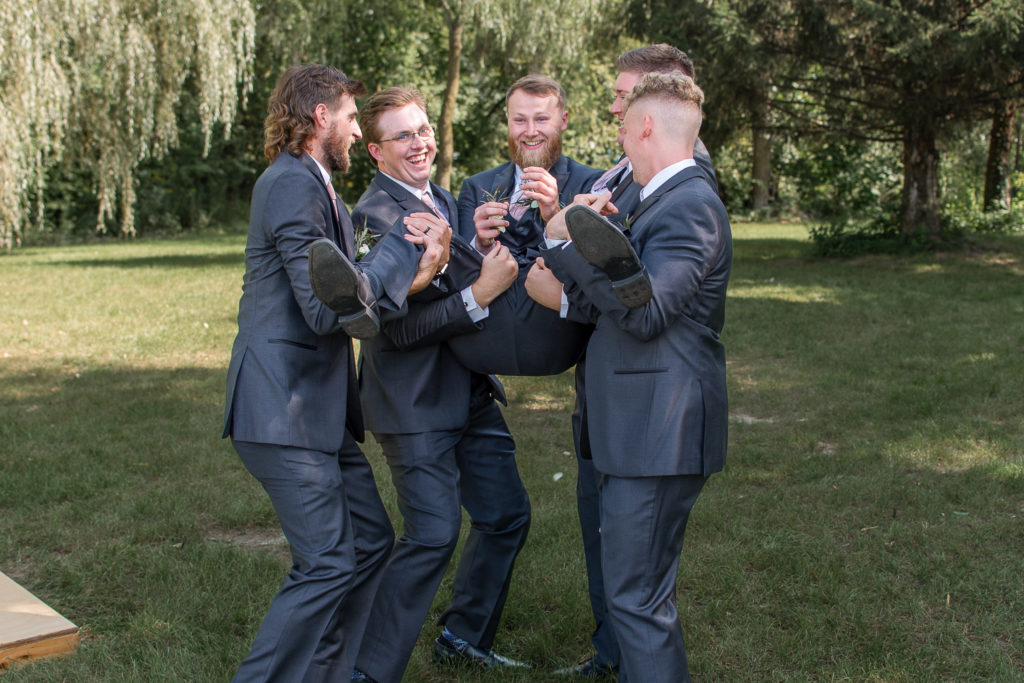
<point>655,388</point>
<point>292,408</point>
<point>438,423</point>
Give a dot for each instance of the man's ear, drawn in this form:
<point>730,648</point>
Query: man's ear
<point>320,113</point>
<point>565,120</point>
<point>375,151</point>
<point>648,128</point>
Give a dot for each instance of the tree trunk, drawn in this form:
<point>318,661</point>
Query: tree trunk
<point>920,211</point>
<point>762,161</point>
<point>997,170</point>
<point>445,143</point>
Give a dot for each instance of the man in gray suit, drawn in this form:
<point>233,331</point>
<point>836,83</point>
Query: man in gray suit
<point>625,198</point>
<point>292,408</point>
<point>438,423</point>
<point>655,376</point>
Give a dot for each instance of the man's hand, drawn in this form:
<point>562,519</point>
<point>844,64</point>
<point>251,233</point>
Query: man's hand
<point>435,236</point>
<point>540,186</point>
<point>600,202</point>
<point>489,222</point>
<point>432,227</point>
<point>543,287</point>
<point>497,272</point>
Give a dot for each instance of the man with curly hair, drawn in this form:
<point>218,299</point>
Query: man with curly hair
<point>292,408</point>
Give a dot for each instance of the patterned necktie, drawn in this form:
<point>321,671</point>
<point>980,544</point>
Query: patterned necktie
<point>608,176</point>
<point>517,210</point>
<point>427,199</point>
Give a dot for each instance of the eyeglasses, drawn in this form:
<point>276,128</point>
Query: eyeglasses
<point>426,132</point>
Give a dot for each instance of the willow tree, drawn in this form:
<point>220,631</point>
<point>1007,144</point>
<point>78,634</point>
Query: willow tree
<point>97,84</point>
<point>553,37</point>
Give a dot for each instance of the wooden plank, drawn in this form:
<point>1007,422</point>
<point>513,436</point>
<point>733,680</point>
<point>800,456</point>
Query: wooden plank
<point>29,627</point>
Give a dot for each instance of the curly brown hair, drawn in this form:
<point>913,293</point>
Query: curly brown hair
<point>289,123</point>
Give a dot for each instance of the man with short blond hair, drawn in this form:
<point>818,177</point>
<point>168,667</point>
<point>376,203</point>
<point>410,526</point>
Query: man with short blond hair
<point>655,390</point>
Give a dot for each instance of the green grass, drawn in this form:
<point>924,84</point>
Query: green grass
<point>869,525</point>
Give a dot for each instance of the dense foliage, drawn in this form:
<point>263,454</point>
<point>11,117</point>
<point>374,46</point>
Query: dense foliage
<point>865,115</point>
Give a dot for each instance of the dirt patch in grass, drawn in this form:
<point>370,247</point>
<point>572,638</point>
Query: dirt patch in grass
<point>264,540</point>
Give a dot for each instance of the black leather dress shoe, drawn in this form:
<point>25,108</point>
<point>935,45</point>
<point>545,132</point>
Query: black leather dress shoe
<point>343,288</point>
<point>603,245</point>
<point>588,668</point>
<point>455,650</point>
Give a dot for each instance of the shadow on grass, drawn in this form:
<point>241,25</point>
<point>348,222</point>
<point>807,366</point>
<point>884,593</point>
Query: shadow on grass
<point>163,261</point>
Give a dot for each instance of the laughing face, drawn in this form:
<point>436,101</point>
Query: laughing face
<point>535,125</point>
<point>407,147</point>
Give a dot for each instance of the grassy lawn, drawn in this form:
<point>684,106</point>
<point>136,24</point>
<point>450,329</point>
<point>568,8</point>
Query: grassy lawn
<point>869,525</point>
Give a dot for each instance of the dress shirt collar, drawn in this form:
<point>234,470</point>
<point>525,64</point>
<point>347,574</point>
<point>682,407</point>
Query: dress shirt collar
<point>416,192</point>
<point>323,171</point>
<point>663,175</point>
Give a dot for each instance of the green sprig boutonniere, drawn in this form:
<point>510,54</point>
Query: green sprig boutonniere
<point>365,239</point>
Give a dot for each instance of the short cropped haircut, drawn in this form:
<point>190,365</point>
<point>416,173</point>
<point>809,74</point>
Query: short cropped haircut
<point>540,86</point>
<point>290,124</point>
<point>660,58</point>
<point>674,85</point>
<point>383,101</point>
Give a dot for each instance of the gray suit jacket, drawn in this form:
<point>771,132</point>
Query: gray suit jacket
<point>410,382</point>
<point>655,375</point>
<point>528,232</point>
<point>291,380</point>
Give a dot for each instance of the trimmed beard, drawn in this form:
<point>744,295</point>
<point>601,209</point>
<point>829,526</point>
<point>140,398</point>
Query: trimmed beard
<point>336,150</point>
<point>545,157</point>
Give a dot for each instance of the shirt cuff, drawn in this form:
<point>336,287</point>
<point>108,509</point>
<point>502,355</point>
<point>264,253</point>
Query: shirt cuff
<point>553,243</point>
<point>563,310</point>
<point>476,314</point>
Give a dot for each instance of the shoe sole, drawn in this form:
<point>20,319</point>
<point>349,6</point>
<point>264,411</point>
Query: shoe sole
<point>335,282</point>
<point>601,244</point>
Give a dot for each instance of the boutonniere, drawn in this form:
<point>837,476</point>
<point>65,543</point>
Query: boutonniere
<point>498,196</point>
<point>365,239</point>
<point>627,222</point>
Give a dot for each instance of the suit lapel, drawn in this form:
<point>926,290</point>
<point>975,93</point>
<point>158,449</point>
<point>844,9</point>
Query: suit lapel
<point>337,231</point>
<point>561,172</point>
<point>504,181</point>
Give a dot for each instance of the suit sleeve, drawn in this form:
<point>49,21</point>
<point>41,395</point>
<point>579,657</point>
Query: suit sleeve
<point>469,199</point>
<point>430,316</point>
<point>677,247</point>
<point>294,216</point>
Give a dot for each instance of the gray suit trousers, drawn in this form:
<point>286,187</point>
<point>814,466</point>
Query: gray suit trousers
<point>435,475</point>
<point>340,537</point>
<point>643,520</point>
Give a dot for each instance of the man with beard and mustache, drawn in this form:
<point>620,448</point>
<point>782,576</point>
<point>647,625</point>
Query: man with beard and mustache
<point>512,202</point>
<point>292,408</point>
<point>509,205</point>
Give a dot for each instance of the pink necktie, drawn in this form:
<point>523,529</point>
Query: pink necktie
<point>334,202</point>
<point>517,210</point>
<point>602,183</point>
<point>427,199</point>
